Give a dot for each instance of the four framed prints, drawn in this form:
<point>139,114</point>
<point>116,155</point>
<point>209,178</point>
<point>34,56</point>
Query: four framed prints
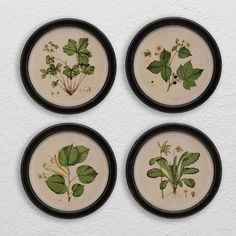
<point>69,66</point>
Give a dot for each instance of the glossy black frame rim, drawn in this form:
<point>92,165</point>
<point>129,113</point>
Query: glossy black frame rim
<point>63,23</point>
<point>181,128</point>
<point>62,128</point>
<point>188,24</point>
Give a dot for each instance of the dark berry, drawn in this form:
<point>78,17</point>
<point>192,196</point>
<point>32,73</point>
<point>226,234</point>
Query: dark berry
<point>152,81</point>
<point>175,76</point>
<point>174,82</point>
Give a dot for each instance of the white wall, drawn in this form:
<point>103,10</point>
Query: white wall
<point>121,118</point>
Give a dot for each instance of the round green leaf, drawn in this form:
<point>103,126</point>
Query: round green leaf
<point>57,184</point>
<point>86,174</point>
<point>68,156</point>
<point>78,190</point>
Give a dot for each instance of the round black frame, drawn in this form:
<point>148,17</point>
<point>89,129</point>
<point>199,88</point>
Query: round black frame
<point>61,23</point>
<point>188,24</point>
<point>181,128</point>
<point>62,128</point>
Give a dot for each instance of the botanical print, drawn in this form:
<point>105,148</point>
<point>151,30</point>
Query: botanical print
<point>63,74</point>
<point>176,172</point>
<point>58,176</point>
<point>185,73</point>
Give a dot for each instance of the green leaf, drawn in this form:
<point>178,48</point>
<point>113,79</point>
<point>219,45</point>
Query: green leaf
<point>166,72</point>
<point>83,53</point>
<point>83,43</point>
<point>71,72</point>
<point>184,52</point>
<point>58,67</point>
<point>163,184</point>
<point>180,184</point>
<point>87,69</point>
<point>54,83</point>
<point>57,184</point>
<point>86,174</point>
<point>68,156</point>
<point>76,69</point>
<point>71,47</point>
<point>49,60</point>
<point>155,67</point>
<point>189,159</point>
<point>174,48</point>
<point>154,173</point>
<point>44,73</point>
<point>188,74</point>
<point>165,57</point>
<point>80,50</point>
<point>189,182</point>
<point>78,190</point>
<point>174,172</point>
<point>83,153</point>
<point>153,160</point>
<point>163,163</point>
<point>188,84</point>
<point>190,171</point>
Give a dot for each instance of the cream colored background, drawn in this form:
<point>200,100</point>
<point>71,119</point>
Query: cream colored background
<point>96,158</point>
<point>165,37</point>
<point>149,187</point>
<point>60,37</point>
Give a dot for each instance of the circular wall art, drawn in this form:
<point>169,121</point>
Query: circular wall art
<point>68,170</point>
<point>173,64</point>
<point>173,170</point>
<point>68,66</point>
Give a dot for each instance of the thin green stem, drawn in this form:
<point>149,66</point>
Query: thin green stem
<point>68,187</point>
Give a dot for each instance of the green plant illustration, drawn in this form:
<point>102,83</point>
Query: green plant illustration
<point>175,173</point>
<point>185,73</point>
<point>67,77</point>
<point>59,177</point>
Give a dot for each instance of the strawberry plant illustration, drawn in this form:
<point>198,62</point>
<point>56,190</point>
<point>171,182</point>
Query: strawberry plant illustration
<point>175,173</point>
<point>68,77</point>
<point>58,175</point>
<point>185,73</point>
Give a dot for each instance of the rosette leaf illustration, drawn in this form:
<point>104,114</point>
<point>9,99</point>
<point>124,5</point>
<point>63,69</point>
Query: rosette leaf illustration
<point>175,173</point>
<point>185,73</point>
<point>62,74</point>
<point>59,176</point>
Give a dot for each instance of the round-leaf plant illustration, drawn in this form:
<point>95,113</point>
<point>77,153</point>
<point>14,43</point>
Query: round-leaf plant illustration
<point>59,177</point>
<point>185,73</point>
<point>68,77</point>
<point>175,173</point>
